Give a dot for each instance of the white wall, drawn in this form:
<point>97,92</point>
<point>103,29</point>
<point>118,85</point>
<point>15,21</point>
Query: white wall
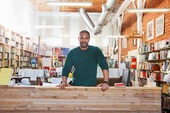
<point>73,24</point>
<point>132,53</point>
<point>21,17</point>
<point>113,73</point>
<point>18,15</point>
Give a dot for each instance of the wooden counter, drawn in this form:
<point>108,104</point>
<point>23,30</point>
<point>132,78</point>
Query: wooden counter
<point>79,100</point>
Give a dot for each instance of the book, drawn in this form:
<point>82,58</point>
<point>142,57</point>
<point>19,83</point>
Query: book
<point>119,85</point>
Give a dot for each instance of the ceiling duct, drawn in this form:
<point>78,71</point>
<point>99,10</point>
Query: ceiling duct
<point>87,19</point>
<point>102,20</point>
<point>110,3</point>
<point>106,12</point>
<point>97,29</point>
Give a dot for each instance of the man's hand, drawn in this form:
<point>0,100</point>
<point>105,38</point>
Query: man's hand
<point>63,85</point>
<point>104,86</point>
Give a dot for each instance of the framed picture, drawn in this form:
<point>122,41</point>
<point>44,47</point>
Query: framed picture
<point>160,25</point>
<point>150,30</point>
<point>134,42</point>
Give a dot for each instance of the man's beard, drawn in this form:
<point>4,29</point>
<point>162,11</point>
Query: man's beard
<point>84,45</point>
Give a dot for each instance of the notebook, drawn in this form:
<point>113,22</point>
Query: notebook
<point>5,76</point>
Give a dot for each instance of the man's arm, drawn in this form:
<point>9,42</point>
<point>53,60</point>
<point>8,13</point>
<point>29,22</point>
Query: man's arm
<point>64,83</point>
<point>64,79</point>
<point>105,84</point>
<point>65,71</point>
<point>106,75</point>
<point>104,66</point>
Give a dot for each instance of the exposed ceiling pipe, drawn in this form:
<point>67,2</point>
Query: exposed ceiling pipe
<point>106,11</point>
<point>101,20</point>
<point>110,3</point>
<point>122,8</point>
<point>87,19</point>
<point>103,15</point>
<point>97,29</point>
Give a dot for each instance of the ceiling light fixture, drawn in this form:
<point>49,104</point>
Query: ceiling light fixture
<point>149,10</point>
<point>116,36</point>
<point>48,27</point>
<point>122,36</point>
<point>53,3</point>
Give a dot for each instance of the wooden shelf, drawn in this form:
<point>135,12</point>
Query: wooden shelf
<point>157,60</point>
<point>147,64</point>
<point>16,50</point>
<point>158,50</point>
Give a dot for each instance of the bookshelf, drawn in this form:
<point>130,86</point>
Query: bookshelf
<point>6,56</point>
<point>26,59</point>
<point>1,46</point>
<point>156,62</point>
<point>17,50</point>
<point>1,55</point>
<point>155,59</point>
<point>21,52</point>
<point>9,49</point>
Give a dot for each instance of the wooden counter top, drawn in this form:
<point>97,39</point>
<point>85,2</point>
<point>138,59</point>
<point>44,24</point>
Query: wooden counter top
<point>40,99</point>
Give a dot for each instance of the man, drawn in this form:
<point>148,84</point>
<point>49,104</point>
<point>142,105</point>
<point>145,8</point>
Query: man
<point>84,59</point>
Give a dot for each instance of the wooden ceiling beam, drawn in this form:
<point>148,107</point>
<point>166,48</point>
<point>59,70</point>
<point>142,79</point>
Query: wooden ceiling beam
<point>42,6</point>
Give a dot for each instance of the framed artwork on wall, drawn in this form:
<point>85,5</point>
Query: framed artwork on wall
<point>150,30</point>
<point>134,42</point>
<point>160,25</point>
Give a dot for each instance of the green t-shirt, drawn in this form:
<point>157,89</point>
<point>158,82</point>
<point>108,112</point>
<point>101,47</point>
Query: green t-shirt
<point>85,63</point>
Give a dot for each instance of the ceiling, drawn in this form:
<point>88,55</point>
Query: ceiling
<point>97,4</point>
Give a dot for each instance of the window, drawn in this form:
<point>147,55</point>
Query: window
<point>92,41</point>
<point>74,42</point>
<point>53,42</point>
<point>105,42</point>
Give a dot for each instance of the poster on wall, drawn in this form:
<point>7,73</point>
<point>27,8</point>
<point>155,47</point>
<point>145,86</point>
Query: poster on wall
<point>62,51</point>
<point>150,30</point>
<point>160,25</point>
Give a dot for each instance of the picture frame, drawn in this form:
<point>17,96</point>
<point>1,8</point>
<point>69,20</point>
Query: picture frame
<point>134,42</point>
<point>150,30</point>
<point>160,25</point>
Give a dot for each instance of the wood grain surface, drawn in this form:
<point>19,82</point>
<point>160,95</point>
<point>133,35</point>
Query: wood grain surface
<point>80,100</point>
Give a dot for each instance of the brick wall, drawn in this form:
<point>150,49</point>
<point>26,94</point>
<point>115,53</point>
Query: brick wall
<point>129,23</point>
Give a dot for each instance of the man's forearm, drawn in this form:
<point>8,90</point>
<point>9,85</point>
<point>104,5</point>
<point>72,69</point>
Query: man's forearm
<point>106,75</point>
<point>64,79</point>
